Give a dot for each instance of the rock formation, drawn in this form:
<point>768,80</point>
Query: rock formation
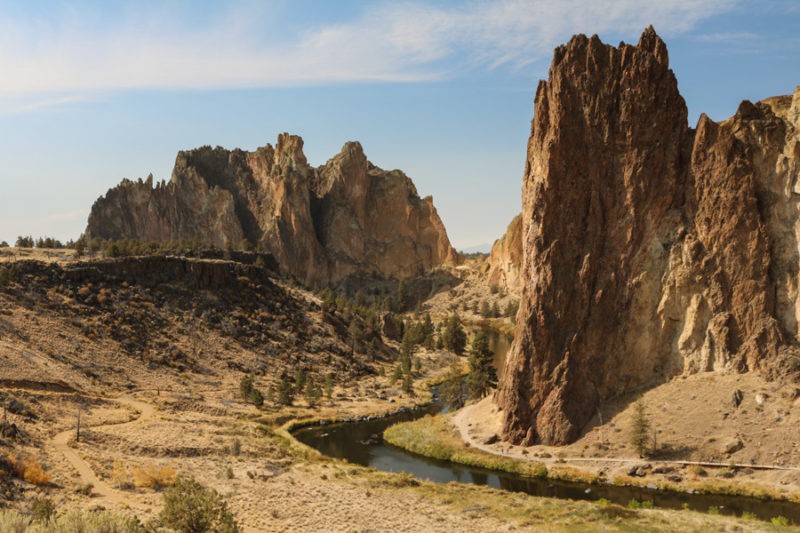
<point>504,265</point>
<point>346,217</point>
<point>650,249</point>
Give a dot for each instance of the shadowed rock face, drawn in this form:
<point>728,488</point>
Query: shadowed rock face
<point>321,224</point>
<point>649,249</point>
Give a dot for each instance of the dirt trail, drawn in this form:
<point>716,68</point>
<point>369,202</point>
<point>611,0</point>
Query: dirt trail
<point>101,489</point>
<point>464,420</point>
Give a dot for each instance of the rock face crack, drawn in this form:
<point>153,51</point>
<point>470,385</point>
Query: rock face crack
<point>682,243</point>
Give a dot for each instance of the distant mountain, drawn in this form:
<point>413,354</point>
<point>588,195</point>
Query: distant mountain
<point>484,248</point>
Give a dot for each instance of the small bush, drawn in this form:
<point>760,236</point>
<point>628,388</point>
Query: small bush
<point>190,507</point>
<point>749,516</point>
<point>713,510</point>
<point>42,510</point>
<point>154,477</point>
<point>636,504</point>
<point>120,476</point>
<point>29,469</point>
<point>236,447</point>
<point>781,521</point>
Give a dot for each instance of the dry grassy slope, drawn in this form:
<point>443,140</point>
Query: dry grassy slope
<point>144,323</point>
<point>54,335</point>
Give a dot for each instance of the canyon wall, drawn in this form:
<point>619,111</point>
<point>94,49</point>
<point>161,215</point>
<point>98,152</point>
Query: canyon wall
<point>346,217</point>
<point>504,264</point>
<point>649,249</point>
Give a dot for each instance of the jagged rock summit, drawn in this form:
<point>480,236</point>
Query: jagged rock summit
<point>649,249</point>
<point>347,217</point>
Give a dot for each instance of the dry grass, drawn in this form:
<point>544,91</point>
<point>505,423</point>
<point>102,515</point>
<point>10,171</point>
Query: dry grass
<point>154,476</point>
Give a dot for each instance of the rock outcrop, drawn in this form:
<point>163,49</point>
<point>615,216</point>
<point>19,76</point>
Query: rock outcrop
<point>650,249</point>
<point>504,265</point>
<point>322,225</point>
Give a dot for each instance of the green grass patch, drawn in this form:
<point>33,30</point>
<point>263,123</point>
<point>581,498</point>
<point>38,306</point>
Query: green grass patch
<point>434,436</point>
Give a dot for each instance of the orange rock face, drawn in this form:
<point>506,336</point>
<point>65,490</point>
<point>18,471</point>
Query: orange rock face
<point>649,249</point>
<point>323,224</point>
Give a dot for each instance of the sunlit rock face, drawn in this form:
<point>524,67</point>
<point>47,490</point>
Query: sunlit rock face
<point>346,217</point>
<point>649,249</point>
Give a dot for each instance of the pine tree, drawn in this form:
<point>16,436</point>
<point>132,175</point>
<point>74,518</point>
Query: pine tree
<point>482,374</point>
<point>453,386</point>
<point>454,336</point>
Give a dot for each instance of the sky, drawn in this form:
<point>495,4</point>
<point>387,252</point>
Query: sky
<point>92,92</point>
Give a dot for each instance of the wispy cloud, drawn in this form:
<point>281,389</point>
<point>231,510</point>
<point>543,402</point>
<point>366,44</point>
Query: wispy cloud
<point>729,37</point>
<point>65,56</point>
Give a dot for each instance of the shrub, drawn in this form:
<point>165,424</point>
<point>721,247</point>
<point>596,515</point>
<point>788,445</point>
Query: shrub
<point>190,507</point>
<point>246,386</point>
<point>70,522</point>
<point>120,476</point>
<point>781,521</point>
<point>29,469</point>
<point>636,504</point>
<point>257,398</point>
<point>154,477</point>
<point>42,510</point>
<point>236,447</point>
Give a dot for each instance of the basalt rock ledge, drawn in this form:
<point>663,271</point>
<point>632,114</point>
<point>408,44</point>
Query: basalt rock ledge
<point>650,249</point>
<point>322,225</point>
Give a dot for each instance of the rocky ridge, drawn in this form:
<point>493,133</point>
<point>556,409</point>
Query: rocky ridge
<point>321,224</point>
<point>504,266</point>
<point>650,249</point>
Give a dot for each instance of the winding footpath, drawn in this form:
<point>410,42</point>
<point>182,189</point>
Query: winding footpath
<point>461,422</point>
<point>100,489</point>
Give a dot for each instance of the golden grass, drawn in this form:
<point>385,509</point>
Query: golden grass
<point>434,436</point>
<point>154,476</point>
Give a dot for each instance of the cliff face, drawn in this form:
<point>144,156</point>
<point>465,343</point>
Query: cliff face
<point>649,249</point>
<point>504,266</point>
<point>321,224</point>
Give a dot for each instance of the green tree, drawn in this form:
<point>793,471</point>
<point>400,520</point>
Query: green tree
<point>329,386</point>
<point>189,507</point>
<point>454,336</point>
<point>257,397</point>
<point>312,393</point>
<point>285,391</point>
<point>452,389</point>
<point>640,428</point>
<point>482,375</point>
<point>246,386</point>
<point>356,334</point>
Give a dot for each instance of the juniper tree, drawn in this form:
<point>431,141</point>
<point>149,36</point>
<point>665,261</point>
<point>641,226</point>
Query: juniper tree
<point>640,428</point>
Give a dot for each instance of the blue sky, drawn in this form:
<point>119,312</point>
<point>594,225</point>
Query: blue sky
<point>92,92</point>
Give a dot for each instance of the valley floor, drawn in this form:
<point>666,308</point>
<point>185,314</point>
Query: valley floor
<point>704,441</point>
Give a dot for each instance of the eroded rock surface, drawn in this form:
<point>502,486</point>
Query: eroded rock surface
<point>649,249</point>
<point>321,224</point>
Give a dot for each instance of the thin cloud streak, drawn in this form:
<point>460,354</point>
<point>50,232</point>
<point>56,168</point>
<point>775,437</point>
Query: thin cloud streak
<point>386,42</point>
